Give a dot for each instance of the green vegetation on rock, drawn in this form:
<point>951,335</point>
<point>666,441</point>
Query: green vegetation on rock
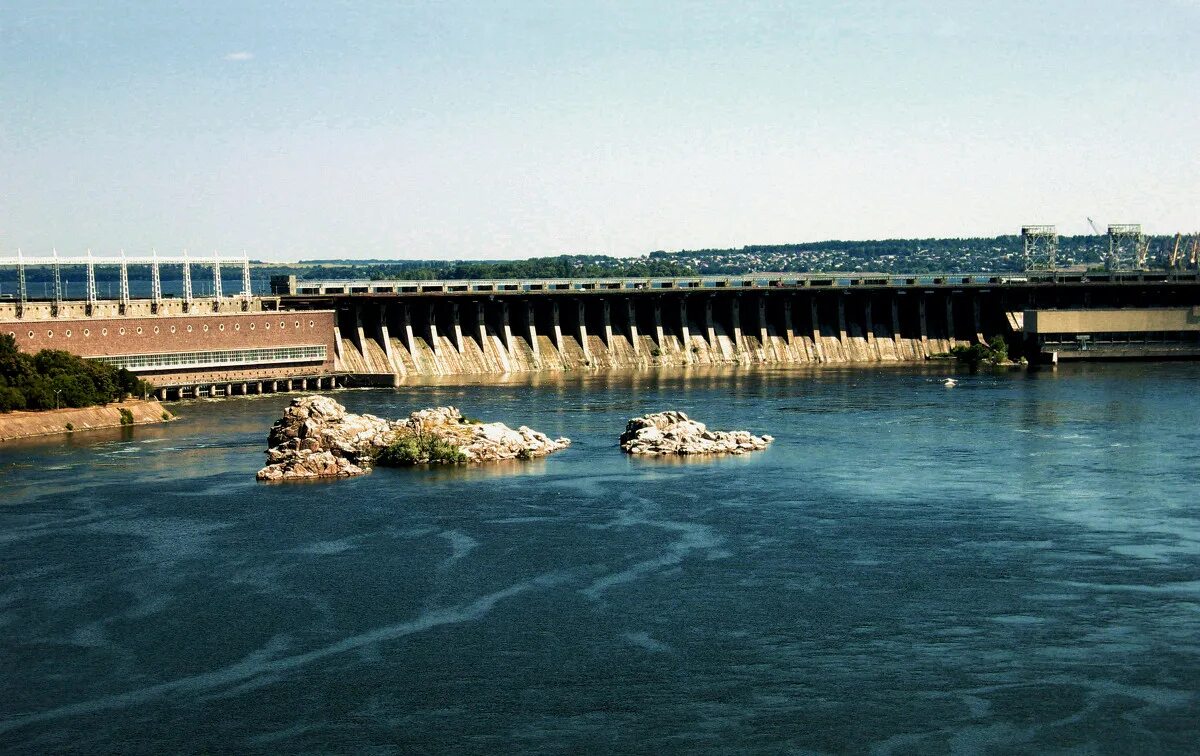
<point>53,378</point>
<point>420,449</point>
<point>995,352</point>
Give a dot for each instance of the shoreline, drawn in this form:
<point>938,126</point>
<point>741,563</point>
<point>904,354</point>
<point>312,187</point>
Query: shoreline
<point>23,424</point>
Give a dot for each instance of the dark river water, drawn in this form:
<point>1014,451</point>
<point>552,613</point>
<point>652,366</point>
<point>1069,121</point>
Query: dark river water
<point>1012,564</point>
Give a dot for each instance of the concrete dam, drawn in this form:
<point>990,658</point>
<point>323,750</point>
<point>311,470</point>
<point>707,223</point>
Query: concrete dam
<point>387,330</point>
<point>326,334</point>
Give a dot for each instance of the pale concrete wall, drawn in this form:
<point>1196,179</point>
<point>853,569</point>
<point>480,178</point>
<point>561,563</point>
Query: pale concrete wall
<point>1113,321</point>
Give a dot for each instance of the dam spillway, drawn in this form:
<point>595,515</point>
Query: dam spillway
<point>387,330</point>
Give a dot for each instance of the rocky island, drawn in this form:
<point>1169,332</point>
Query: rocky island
<point>673,433</point>
<point>317,438</point>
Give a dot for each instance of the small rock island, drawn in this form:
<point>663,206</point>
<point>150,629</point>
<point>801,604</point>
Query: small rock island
<point>673,433</point>
<point>317,438</point>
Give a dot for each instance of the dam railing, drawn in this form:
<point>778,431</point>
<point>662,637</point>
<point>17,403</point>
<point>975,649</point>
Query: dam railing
<point>290,285</point>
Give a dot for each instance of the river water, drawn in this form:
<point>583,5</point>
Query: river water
<point>1010,564</point>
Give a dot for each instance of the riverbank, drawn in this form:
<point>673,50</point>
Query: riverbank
<point>21,424</point>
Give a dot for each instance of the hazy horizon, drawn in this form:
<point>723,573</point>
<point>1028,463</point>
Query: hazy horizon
<point>462,131</point>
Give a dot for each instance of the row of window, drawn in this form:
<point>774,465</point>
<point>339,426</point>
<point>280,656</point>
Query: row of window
<point>122,331</point>
<point>1135,337</point>
<point>217,358</point>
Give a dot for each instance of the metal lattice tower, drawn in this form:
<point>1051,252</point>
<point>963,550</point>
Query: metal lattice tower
<point>155,280</point>
<point>216,276</point>
<point>124,283</point>
<point>22,292</point>
<point>1126,246</point>
<point>1040,245</point>
<point>91,283</point>
<point>57,284</point>
<point>187,282</point>
<point>245,276</point>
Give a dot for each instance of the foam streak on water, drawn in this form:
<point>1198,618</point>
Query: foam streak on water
<point>1013,564</point>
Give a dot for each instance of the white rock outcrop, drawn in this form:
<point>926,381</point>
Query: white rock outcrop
<point>673,433</point>
<point>317,438</point>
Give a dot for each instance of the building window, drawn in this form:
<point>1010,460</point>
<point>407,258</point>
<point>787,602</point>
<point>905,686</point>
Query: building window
<point>67,333</point>
<point>206,327</point>
<point>31,334</point>
<point>237,326</point>
<point>87,332</point>
<point>251,326</point>
<point>139,330</point>
<point>103,332</point>
<point>221,327</point>
<point>217,358</point>
<point>49,334</point>
<point>120,331</point>
<point>310,324</point>
<point>189,329</point>
<point>156,329</point>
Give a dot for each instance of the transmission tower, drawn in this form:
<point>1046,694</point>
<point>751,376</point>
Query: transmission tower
<point>1126,247</point>
<point>1040,244</point>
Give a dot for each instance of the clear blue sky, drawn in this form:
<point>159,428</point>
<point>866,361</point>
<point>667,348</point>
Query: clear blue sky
<point>512,129</point>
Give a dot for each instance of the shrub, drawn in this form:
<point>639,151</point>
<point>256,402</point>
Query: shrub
<point>126,416</point>
<point>994,353</point>
<point>70,426</point>
<point>166,416</point>
<point>420,449</point>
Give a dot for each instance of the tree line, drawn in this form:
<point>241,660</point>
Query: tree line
<point>52,378</point>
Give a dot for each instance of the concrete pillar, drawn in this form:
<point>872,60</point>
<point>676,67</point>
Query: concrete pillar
<point>763,338</point>
<point>842,320</point>
<point>337,343</point>
<point>396,365</point>
<point>244,391</point>
<point>950,319</point>
<point>658,327</point>
<point>258,387</point>
<point>709,327</point>
<point>557,323</point>
<point>229,389</point>
<point>608,336</point>
<point>274,386</point>
<point>410,339</point>
<point>361,337</point>
<point>736,315</point>
<point>924,327</point>
<point>685,332</point>
<point>289,384</point>
<point>533,336</point>
<point>583,333</point>
<point>631,311</point>
<point>304,384</point>
<point>457,325</point>
<point>436,342</point>
<point>818,347</point>
<point>505,327</point>
<point>789,332</point>
<point>481,324</point>
<point>978,320</point>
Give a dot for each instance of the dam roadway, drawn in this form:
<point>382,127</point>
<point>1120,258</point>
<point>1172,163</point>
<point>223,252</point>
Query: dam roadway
<point>389,329</point>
